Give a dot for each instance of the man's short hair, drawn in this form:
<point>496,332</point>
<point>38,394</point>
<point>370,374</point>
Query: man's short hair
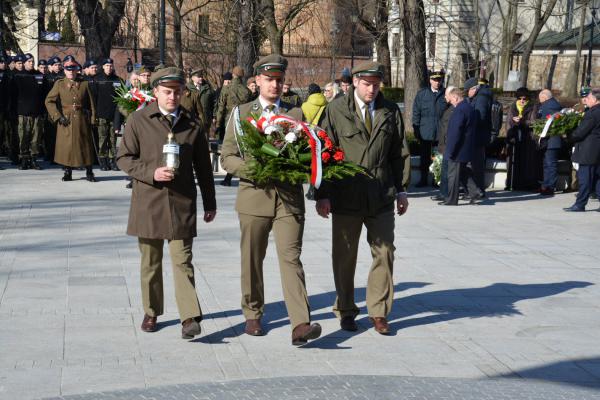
<point>449,90</point>
<point>596,93</point>
<point>547,93</point>
<point>456,92</point>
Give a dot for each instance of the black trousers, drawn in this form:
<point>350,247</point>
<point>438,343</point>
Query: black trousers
<point>425,148</point>
<point>459,173</point>
<point>478,167</point>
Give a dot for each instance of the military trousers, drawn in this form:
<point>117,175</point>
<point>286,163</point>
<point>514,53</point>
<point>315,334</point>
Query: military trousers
<point>183,276</point>
<point>29,136</point>
<point>107,139</point>
<point>346,231</point>
<point>287,230</point>
<point>8,140</point>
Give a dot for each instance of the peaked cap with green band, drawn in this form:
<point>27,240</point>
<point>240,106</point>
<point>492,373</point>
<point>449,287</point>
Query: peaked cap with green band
<point>273,64</point>
<point>368,68</point>
<point>170,74</point>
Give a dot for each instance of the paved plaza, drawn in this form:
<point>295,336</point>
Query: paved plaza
<point>494,301</point>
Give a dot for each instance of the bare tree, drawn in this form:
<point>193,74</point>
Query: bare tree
<point>275,31</point>
<point>99,21</point>
<point>539,20</point>
<point>412,17</point>
<point>573,75</point>
<point>509,29</point>
<point>248,34</point>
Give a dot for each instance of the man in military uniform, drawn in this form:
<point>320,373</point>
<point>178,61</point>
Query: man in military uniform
<point>43,66</point>
<point>428,107</point>
<point>277,206</point>
<point>106,85</point>
<point>5,131</point>
<point>54,74</point>
<point>370,131</point>
<point>29,88</point>
<point>54,67</point>
<point>231,96</point>
<point>163,203</point>
<point>205,93</point>
<point>251,85</point>
<point>70,104</point>
<point>289,96</point>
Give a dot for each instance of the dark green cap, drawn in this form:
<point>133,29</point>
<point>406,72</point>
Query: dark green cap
<point>199,71</point>
<point>271,65</point>
<point>585,91</point>
<point>164,75</point>
<point>368,68</point>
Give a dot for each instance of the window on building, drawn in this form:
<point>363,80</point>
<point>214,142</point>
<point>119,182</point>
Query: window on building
<point>431,44</point>
<point>203,24</point>
<point>396,45</point>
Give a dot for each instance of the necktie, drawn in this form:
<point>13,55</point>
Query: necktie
<point>368,118</point>
<point>170,120</point>
<point>270,108</point>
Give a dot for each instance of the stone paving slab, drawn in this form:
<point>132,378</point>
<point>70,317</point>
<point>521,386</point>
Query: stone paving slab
<point>507,288</point>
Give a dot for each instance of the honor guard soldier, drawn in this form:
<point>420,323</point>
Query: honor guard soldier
<point>5,131</point>
<point>29,89</point>
<point>277,206</point>
<point>43,67</point>
<point>370,131</point>
<point>107,83</point>
<point>71,105</point>
<point>163,202</point>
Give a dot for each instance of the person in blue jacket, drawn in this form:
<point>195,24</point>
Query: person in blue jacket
<point>587,152</point>
<point>552,145</point>
<point>428,107</point>
<point>460,142</point>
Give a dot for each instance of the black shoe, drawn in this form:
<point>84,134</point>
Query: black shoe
<point>348,324</point>
<point>113,165</point>
<point>68,176</point>
<point>574,208</point>
<point>438,197</point>
<point>445,203</point>
<point>89,175</point>
<point>24,164</point>
<point>103,164</point>
<point>226,182</point>
<point>129,186</point>
<point>35,165</point>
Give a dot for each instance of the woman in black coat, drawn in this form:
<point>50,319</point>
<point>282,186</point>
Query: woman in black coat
<point>524,165</point>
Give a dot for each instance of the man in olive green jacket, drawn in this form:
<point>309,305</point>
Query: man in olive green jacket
<point>370,131</point>
<point>277,206</point>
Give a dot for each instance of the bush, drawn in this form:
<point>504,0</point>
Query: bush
<point>395,95</point>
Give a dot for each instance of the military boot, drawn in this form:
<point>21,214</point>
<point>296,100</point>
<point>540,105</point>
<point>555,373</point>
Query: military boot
<point>24,164</point>
<point>34,164</point>
<point>68,176</point>
<point>89,175</point>
<point>103,164</point>
<point>113,165</point>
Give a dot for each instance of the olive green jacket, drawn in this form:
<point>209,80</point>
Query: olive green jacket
<point>384,154</point>
<point>231,96</point>
<point>253,199</point>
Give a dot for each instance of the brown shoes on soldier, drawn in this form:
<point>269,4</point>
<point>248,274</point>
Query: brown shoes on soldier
<point>381,325</point>
<point>253,327</point>
<point>149,323</point>
<point>305,332</point>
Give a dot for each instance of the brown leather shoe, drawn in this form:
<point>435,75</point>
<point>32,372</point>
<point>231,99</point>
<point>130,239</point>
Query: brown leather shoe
<point>190,328</point>
<point>348,324</point>
<point>149,323</point>
<point>305,332</point>
<point>381,325</point>
<point>253,327</point>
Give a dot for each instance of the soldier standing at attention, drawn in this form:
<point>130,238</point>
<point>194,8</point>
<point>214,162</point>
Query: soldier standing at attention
<point>54,69</point>
<point>5,131</point>
<point>289,96</point>
<point>370,131</point>
<point>205,93</point>
<point>163,202</point>
<point>71,105</point>
<point>278,207</point>
<point>29,90</point>
<point>107,84</point>
<point>231,96</point>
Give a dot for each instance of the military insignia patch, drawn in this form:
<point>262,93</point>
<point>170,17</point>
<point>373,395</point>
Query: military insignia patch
<point>255,107</point>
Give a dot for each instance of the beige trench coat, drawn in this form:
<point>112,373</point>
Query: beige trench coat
<point>165,210</point>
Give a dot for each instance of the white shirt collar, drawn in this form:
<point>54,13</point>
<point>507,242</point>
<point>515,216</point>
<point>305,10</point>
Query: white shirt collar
<point>175,113</point>
<point>264,103</point>
<point>362,104</point>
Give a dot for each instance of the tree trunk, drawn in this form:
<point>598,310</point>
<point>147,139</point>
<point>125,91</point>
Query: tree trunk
<point>415,63</point>
<point>178,46</point>
<point>509,28</point>
<point>274,34</point>
<point>247,37</point>
<point>99,24</point>
<point>381,41</point>
<point>573,75</point>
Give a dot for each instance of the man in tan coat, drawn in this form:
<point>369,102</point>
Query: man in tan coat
<point>370,131</point>
<point>163,201</point>
<point>277,206</point>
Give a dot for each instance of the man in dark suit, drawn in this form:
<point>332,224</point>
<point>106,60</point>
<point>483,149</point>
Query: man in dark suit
<point>460,141</point>
<point>548,106</point>
<point>587,152</point>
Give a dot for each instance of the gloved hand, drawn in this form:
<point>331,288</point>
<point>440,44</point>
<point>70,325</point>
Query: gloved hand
<point>63,121</point>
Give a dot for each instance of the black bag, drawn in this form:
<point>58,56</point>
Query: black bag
<point>497,114</point>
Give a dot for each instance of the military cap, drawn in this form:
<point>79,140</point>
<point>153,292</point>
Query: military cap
<point>436,75</point>
<point>140,69</point>
<point>10,59</point>
<point>89,63</point>
<point>27,57</point>
<point>199,72</point>
<point>42,62</point>
<point>483,81</point>
<point>227,76</point>
<point>164,75</point>
<point>72,65</point>
<point>273,64</point>
<point>368,68</point>
<point>54,60</point>
<point>107,61</point>
<point>471,82</point>
<point>68,58</point>
<point>19,58</point>
<point>585,91</point>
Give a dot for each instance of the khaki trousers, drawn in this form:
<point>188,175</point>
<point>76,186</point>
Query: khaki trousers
<point>380,286</point>
<point>288,230</point>
<point>183,275</point>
